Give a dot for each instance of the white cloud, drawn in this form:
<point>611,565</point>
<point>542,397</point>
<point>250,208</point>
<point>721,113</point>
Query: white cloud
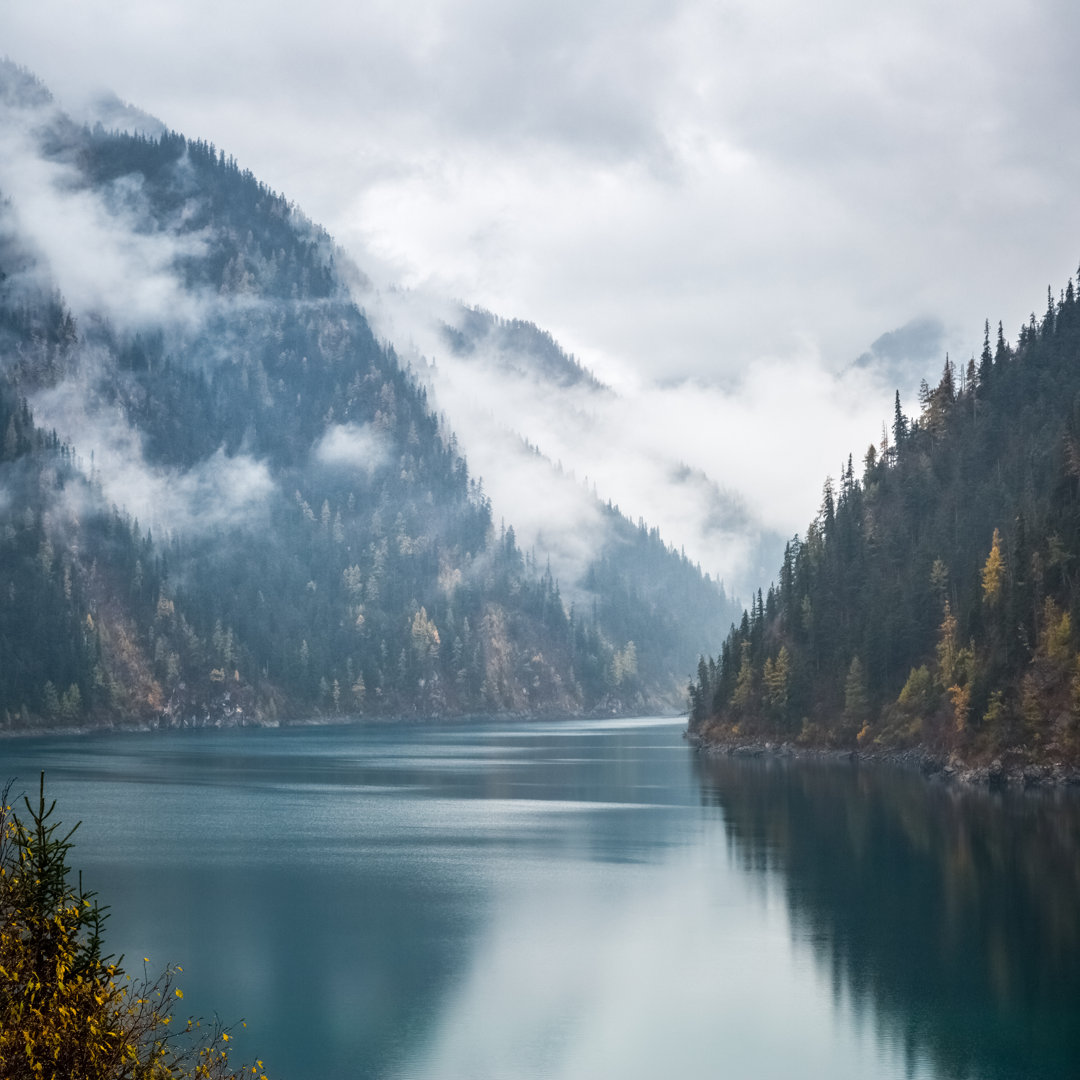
<point>96,244</point>
<point>654,449</point>
<point>219,492</point>
<point>717,207</point>
<point>355,446</point>
<point>685,186</point>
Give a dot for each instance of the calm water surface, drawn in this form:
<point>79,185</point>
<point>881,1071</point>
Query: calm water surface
<point>580,900</point>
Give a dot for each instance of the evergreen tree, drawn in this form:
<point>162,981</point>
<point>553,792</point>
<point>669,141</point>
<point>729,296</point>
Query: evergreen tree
<point>896,624</point>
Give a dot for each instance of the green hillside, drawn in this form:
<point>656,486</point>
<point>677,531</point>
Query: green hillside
<point>934,601</point>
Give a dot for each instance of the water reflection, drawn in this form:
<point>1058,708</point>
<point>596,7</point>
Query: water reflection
<point>576,901</point>
<point>952,915</point>
<point>347,890</point>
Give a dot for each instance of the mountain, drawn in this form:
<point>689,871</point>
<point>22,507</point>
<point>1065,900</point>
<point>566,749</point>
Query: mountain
<point>224,500</point>
<point>935,601</point>
<point>520,405</point>
<point>516,346</point>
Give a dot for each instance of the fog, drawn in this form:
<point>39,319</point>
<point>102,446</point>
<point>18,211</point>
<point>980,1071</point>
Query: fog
<point>98,247</point>
<point>656,449</point>
<point>112,262</point>
<point>353,446</point>
<point>753,220</point>
<point>219,492</point>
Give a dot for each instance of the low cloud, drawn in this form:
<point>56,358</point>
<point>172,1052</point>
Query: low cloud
<point>220,492</point>
<point>552,512</point>
<point>353,446</point>
<point>546,451</point>
<point>101,246</point>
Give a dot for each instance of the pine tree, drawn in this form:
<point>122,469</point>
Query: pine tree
<point>900,425</point>
<point>66,1010</point>
<point>986,361</point>
<point>856,695</point>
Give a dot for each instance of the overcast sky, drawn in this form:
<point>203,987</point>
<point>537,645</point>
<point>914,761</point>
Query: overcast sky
<point>679,191</point>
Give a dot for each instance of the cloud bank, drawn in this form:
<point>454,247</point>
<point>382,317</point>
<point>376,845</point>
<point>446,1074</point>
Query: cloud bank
<point>353,446</point>
<point>683,186</point>
<point>718,208</point>
<point>546,452</point>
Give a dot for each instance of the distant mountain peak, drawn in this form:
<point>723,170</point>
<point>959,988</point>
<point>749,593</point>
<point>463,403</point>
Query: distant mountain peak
<point>518,346</point>
<point>114,114</point>
<point>21,88</point>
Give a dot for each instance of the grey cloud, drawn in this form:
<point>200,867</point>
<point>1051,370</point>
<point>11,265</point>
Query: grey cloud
<point>579,75</point>
<point>575,74</point>
<point>729,199</point>
<point>857,147</point>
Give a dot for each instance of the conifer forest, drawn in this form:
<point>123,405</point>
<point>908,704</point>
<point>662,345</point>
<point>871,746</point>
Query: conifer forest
<point>328,552</point>
<point>932,601</point>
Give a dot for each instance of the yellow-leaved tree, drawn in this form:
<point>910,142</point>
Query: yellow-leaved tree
<point>68,1012</point>
<point>993,572</point>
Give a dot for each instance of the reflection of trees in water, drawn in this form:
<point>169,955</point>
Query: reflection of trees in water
<point>953,913</point>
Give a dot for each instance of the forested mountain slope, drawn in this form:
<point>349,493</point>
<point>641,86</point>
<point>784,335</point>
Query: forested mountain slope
<point>517,345</point>
<point>223,500</point>
<point>935,600</point>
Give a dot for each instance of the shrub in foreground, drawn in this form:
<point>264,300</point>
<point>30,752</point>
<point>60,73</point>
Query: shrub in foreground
<point>67,1011</point>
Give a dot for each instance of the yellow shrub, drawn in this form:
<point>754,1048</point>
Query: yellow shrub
<point>66,1013</point>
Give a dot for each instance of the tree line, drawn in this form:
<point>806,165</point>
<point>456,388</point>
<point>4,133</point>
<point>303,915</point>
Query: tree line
<point>934,599</point>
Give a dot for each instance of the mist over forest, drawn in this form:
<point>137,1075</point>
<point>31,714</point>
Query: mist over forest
<point>541,540</point>
<point>228,498</point>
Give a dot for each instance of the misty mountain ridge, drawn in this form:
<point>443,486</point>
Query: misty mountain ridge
<point>510,392</point>
<point>518,346</point>
<point>224,500</point>
<point>903,356</point>
<point>20,88</point>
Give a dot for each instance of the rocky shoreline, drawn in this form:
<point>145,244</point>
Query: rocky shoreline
<point>951,768</point>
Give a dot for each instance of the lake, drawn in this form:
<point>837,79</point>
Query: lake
<point>578,900</point>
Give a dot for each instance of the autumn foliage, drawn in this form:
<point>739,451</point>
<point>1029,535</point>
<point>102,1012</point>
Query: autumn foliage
<point>67,1011</point>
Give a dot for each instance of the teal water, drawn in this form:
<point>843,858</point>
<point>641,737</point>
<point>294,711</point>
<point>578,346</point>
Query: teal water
<point>579,900</point>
